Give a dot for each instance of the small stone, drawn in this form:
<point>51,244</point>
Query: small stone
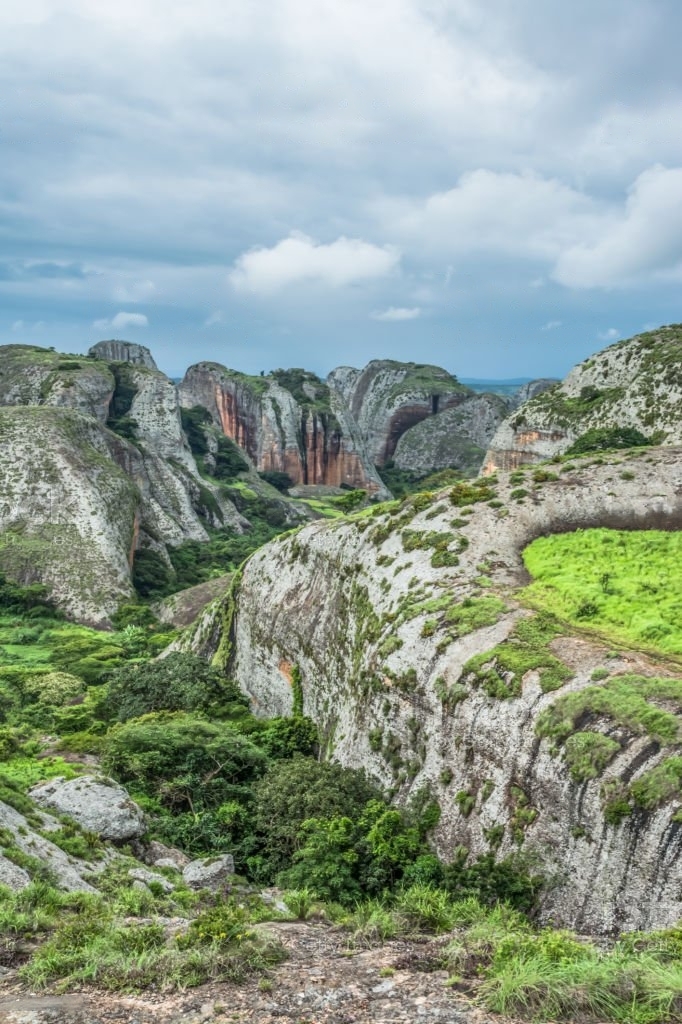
<point>210,873</point>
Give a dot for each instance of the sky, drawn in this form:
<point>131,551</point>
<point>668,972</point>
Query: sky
<point>494,186</point>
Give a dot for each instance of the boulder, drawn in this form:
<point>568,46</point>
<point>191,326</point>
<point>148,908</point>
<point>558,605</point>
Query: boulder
<point>11,875</point>
<point>146,878</point>
<point>161,856</point>
<point>96,804</point>
<point>210,873</point>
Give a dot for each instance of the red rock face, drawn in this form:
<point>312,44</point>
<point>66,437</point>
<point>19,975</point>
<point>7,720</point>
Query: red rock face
<point>323,456</point>
<point>237,422</point>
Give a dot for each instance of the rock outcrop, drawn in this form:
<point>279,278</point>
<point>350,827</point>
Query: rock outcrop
<point>212,873</point>
<point>382,616</point>
<point>386,398</point>
<point>39,376</point>
<point>456,438</point>
<point>123,352</point>
<point>289,422</point>
<point>635,383</point>
<point>96,804</point>
<point>70,873</point>
<point>94,466</point>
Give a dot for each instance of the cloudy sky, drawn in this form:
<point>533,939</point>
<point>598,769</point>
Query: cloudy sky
<point>491,185</point>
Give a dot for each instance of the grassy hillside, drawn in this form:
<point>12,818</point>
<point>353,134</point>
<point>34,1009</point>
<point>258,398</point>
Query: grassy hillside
<point>625,584</point>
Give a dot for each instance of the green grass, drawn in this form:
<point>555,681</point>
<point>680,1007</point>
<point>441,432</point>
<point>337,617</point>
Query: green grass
<point>500,671</point>
<point>624,584</point>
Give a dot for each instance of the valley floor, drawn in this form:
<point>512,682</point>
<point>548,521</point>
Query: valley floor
<point>323,982</point>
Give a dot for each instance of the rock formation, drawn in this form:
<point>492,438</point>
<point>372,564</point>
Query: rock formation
<point>383,615</point>
<point>290,422</point>
<point>79,499</point>
<point>457,437</point>
<point>123,352</point>
<point>386,398</point>
<point>38,376</point>
<point>635,383</point>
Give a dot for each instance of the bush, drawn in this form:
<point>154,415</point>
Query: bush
<point>281,481</point>
<point>179,682</point>
<point>604,438</point>
<point>186,762</point>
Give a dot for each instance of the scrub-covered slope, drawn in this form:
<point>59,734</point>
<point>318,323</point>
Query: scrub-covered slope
<point>635,384</point>
<point>417,661</point>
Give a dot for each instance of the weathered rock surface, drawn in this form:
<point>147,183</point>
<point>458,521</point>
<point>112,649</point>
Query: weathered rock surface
<point>456,438</point>
<point>123,352</point>
<point>77,499</point>
<point>161,856</point>
<point>69,872</point>
<point>635,383</point>
<point>98,805</point>
<point>532,389</point>
<point>362,610</point>
<point>210,872</point>
<point>386,398</point>
<point>304,433</point>
<point>38,376</point>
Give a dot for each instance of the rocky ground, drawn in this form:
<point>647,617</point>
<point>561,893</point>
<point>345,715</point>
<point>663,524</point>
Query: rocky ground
<point>324,981</point>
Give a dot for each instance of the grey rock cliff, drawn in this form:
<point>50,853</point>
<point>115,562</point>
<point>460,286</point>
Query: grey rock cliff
<point>386,398</point>
<point>457,437</point>
<point>37,376</point>
<point>123,352</point>
<point>363,608</point>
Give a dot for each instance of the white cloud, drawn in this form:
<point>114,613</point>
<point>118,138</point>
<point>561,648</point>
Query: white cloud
<point>396,313</point>
<point>511,214</point>
<point>642,241</point>
<point>611,334</point>
<point>122,320</point>
<point>299,259</point>
<point>215,318</point>
<point>18,325</point>
<point>551,325</point>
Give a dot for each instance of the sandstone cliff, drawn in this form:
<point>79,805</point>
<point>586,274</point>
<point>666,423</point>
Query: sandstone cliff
<point>457,437</point>
<point>383,614</point>
<point>386,398</point>
<point>635,383</point>
<point>290,422</point>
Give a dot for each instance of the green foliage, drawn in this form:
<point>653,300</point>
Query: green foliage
<point>194,421</point>
<point>292,792</point>
<point>125,390</point>
<point>186,762</point>
<point>587,754</point>
<point>179,682</point>
<point>151,574</point>
<point>500,671</point>
<point>625,583</point>
<point>625,700</point>
<point>31,600</point>
<point>607,438</point>
<point>471,493</point>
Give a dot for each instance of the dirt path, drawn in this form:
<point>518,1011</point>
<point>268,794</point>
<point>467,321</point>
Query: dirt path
<point>322,982</point>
